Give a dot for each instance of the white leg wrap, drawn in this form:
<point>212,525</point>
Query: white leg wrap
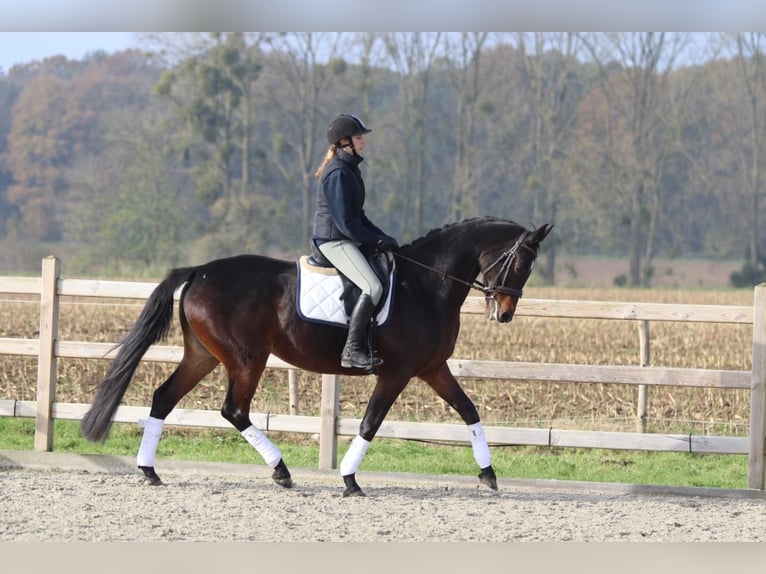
<point>354,455</point>
<point>152,433</point>
<point>479,445</point>
<point>270,453</point>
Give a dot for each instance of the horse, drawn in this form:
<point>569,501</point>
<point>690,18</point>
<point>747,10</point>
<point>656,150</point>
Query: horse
<point>238,310</point>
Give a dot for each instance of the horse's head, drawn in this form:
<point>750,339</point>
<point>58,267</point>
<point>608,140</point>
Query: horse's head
<point>506,274</point>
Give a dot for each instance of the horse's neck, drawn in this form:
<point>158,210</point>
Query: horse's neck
<point>458,255</point>
<point>453,268</point>
<point>456,249</point>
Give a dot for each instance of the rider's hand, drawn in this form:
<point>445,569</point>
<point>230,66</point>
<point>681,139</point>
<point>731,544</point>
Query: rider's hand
<point>387,244</point>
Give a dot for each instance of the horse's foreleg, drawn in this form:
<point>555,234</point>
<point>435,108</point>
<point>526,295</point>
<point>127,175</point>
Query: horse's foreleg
<point>446,386</point>
<point>236,410</point>
<point>270,454</point>
<point>164,400</point>
<point>383,396</point>
<point>350,463</point>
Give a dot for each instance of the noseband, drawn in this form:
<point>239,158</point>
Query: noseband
<point>505,261</point>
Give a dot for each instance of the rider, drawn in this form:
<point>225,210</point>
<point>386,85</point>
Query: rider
<point>341,228</point>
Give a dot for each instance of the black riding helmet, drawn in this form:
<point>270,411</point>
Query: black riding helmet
<point>345,126</point>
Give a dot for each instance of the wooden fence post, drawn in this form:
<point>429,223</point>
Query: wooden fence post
<point>757,445</point>
<point>292,391</point>
<point>643,390</point>
<point>328,425</point>
<point>46,362</point>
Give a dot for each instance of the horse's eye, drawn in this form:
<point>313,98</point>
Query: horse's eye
<point>524,264</point>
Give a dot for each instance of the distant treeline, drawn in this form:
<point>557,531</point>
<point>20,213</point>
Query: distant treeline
<point>638,145</point>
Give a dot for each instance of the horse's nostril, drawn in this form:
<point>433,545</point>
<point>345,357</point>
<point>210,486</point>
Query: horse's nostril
<point>506,317</point>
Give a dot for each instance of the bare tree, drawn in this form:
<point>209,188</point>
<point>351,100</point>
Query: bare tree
<point>464,61</point>
<point>751,65</point>
<point>308,65</point>
<point>412,55</point>
<point>548,61</point>
<point>366,43</point>
<point>636,141</point>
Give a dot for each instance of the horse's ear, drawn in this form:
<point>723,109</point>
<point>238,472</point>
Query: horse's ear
<point>540,233</point>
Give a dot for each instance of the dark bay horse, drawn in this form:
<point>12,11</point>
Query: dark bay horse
<point>238,310</point>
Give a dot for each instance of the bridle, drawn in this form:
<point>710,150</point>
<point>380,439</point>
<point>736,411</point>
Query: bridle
<point>504,261</point>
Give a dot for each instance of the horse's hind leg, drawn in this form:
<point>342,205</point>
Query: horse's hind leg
<point>190,371</point>
<point>243,382</point>
<point>446,386</point>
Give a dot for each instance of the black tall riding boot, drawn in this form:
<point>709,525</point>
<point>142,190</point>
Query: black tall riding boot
<point>357,353</point>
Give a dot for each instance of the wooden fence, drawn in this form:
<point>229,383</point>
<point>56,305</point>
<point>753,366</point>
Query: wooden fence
<point>50,287</point>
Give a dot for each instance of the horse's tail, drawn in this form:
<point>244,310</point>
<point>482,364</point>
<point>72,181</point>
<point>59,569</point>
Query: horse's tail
<point>152,325</point>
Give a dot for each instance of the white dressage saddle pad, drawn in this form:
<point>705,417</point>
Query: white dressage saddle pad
<point>319,291</point>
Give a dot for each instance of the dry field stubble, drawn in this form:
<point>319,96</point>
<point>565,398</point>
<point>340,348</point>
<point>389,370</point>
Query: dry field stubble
<point>524,404</point>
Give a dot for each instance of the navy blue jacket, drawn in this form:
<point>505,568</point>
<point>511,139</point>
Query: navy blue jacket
<point>340,204</point>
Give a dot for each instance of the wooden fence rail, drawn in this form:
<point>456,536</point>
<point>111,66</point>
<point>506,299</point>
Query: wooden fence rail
<point>50,287</point>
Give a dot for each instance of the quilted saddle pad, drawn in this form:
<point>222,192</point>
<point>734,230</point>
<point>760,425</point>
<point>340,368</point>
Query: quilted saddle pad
<point>319,291</point>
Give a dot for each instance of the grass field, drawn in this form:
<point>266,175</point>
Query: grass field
<point>389,455</point>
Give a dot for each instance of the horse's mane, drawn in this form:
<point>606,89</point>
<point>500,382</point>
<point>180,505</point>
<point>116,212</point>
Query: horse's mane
<point>449,226</point>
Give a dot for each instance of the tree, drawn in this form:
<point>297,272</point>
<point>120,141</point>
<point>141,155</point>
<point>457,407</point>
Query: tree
<point>630,131</point>
<point>128,213</point>
<point>212,90</point>
<point>751,65</point>
<point>309,69</point>
<point>7,96</point>
<point>464,63</point>
<point>39,149</point>
<point>548,61</point>
<point>412,56</point>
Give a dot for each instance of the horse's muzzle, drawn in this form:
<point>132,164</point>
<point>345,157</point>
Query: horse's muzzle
<point>505,317</point>
<point>496,312</point>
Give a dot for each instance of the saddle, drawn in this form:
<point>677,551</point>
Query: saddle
<point>324,295</point>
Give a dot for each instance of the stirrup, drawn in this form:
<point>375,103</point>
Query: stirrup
<point>350,361</point>
<point>368,365</point>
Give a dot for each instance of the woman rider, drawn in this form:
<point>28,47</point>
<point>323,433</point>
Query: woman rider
<point>341,228</point>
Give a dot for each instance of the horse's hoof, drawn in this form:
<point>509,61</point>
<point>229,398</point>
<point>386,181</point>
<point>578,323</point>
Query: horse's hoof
<point>285,482</point>
<point>282,476</point>
<point>150,476</point>
<point>487,476</point>
<point>352,488</point>
<point>353,492</point>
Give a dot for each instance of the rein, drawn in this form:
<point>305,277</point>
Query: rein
<point>504,260</point>
<point>474,285</point>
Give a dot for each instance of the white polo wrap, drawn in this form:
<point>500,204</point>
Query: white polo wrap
<point>150,440</point>
<point>479,445</point>
<point>270,453</point>
<point>354,455</point>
